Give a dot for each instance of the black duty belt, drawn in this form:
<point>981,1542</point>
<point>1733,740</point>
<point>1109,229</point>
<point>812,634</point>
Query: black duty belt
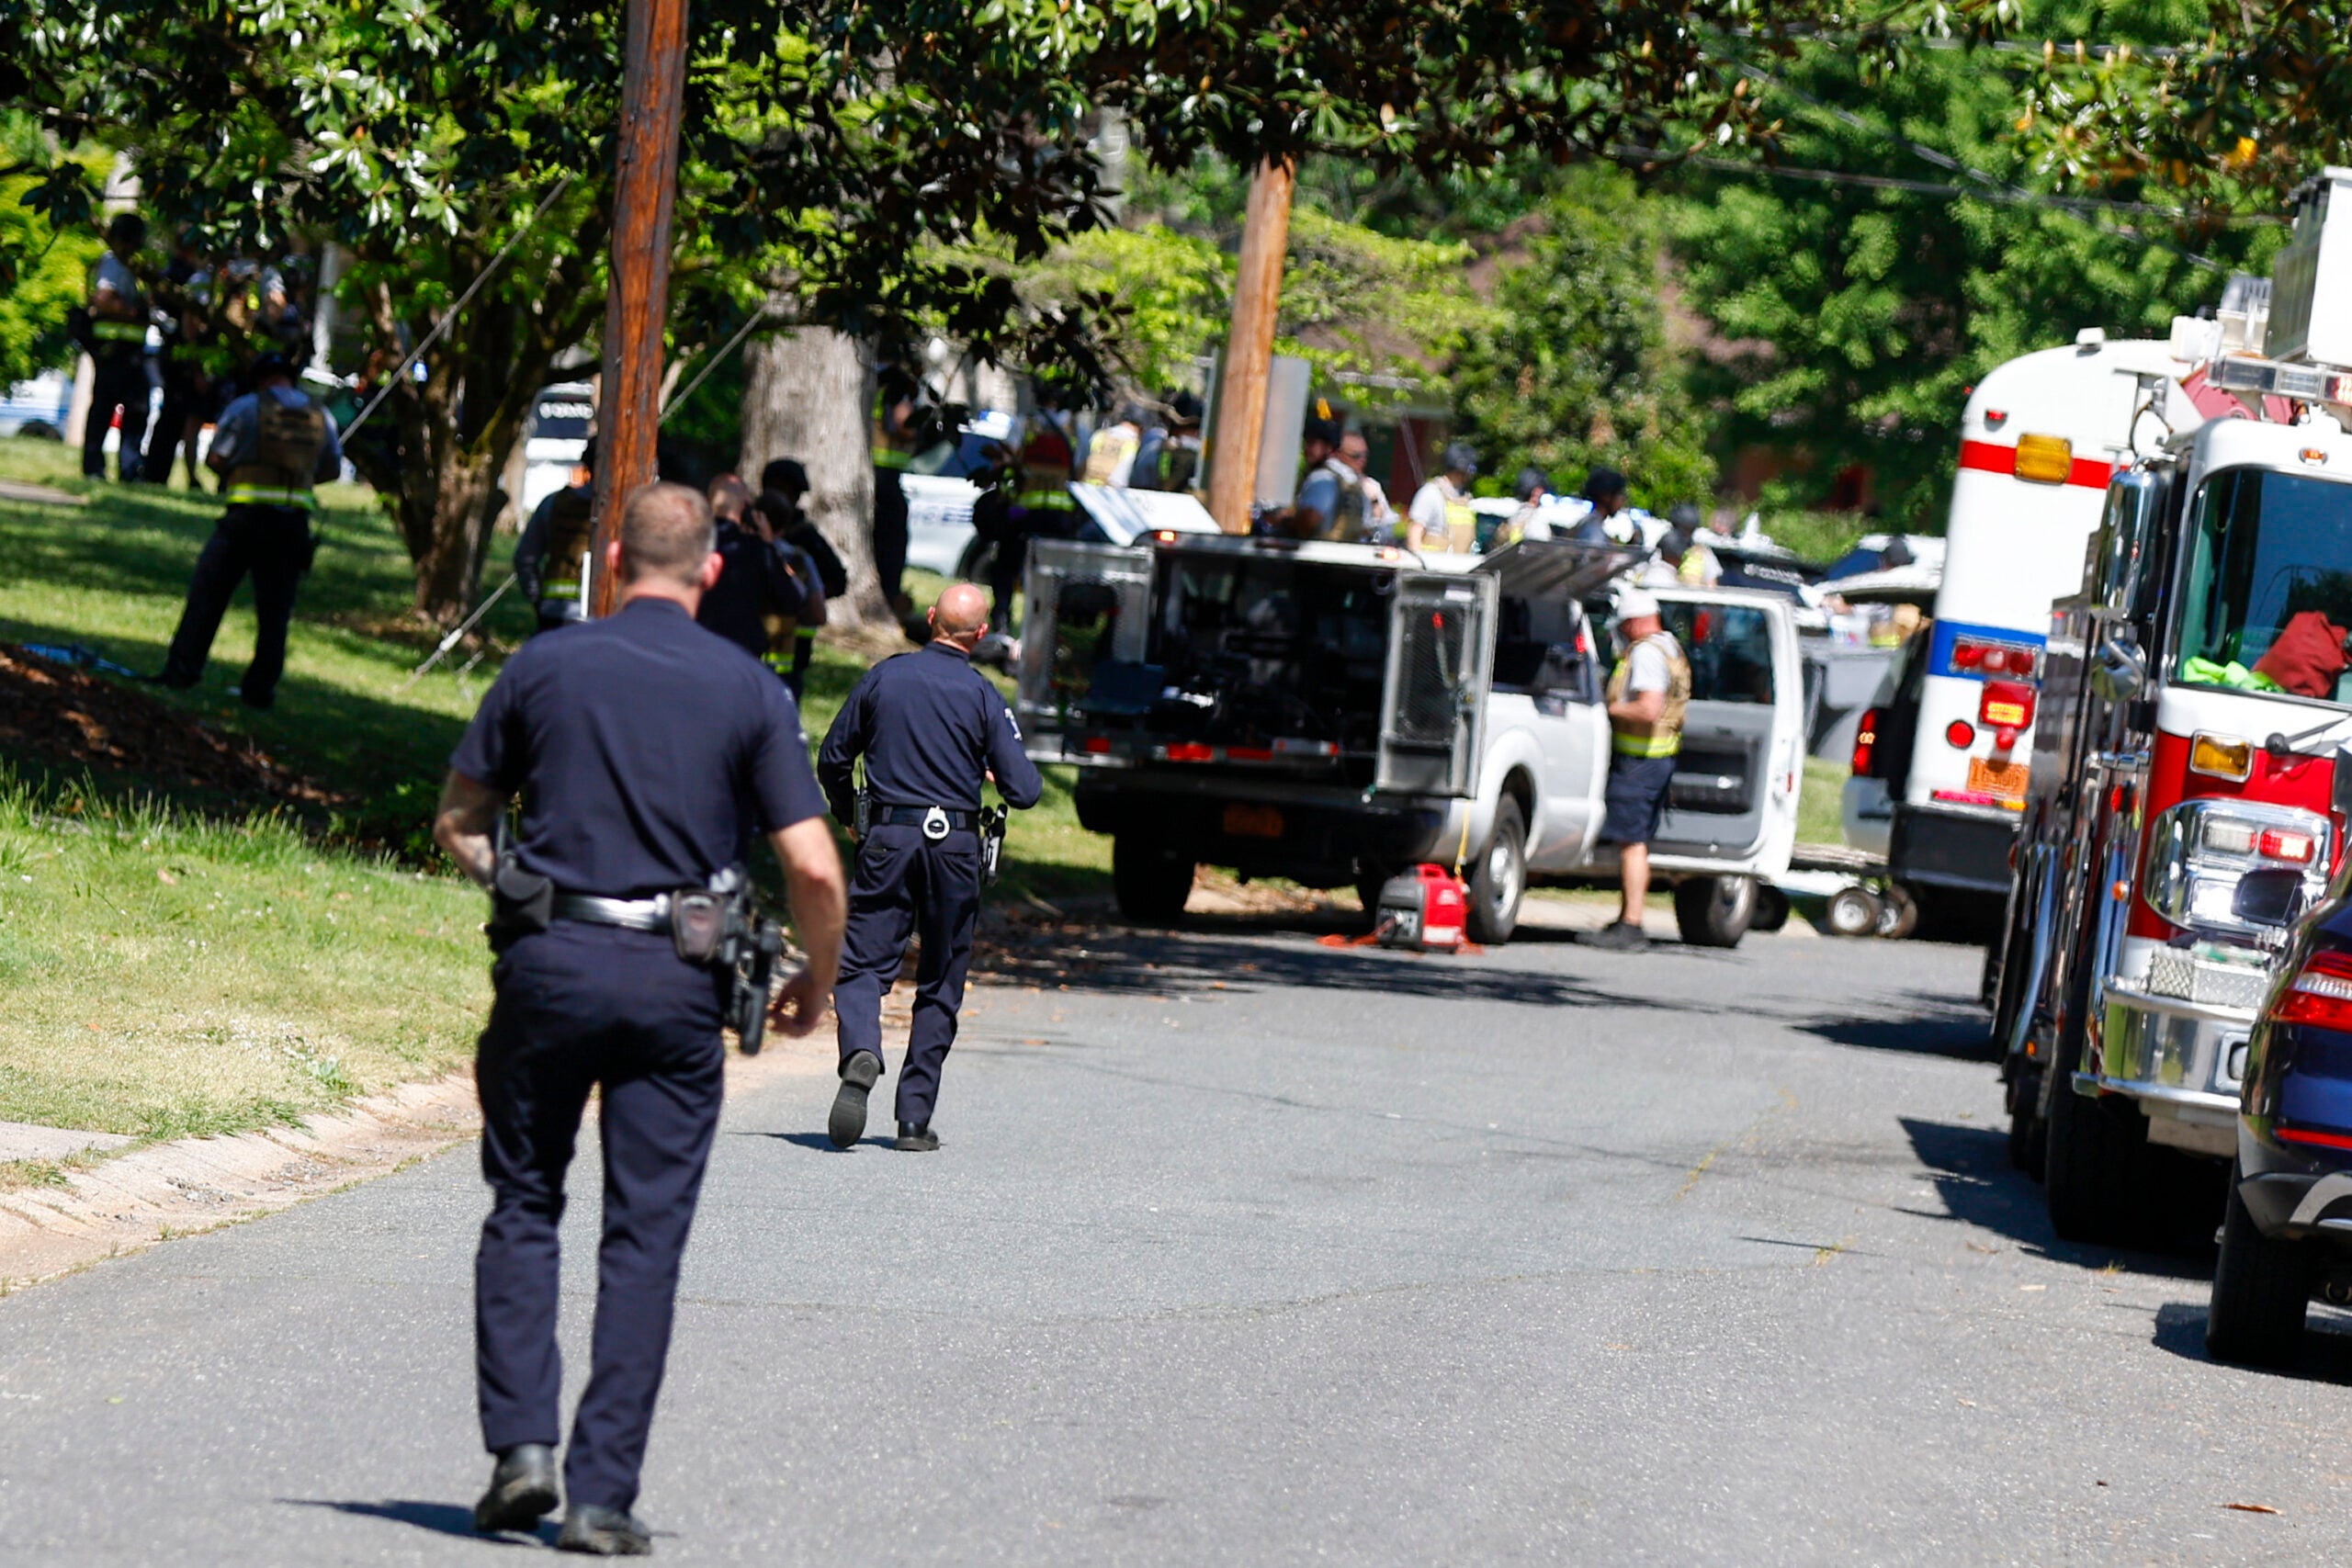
<point>632,914</point>
<point>937,822</point>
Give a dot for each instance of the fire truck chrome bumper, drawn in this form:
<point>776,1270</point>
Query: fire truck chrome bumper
<point>2181,1060</point>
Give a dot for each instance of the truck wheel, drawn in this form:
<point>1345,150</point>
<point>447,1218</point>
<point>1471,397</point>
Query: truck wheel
<point>1771,910</point>
<point>1714,911</point>
<point>2091,1173</point>
<point>2260,1287</point>
<point>1150,883</point>
<point>1854,912</point>
<point>1499,878</point>
<point>2029,1133</point>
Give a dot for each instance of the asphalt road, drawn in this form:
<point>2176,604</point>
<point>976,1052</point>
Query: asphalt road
<point>1246,1250</point>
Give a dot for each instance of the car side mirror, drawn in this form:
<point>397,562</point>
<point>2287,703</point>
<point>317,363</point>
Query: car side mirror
<point>2118,670</point>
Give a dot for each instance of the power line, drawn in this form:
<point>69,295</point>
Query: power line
<point>1984,182</point>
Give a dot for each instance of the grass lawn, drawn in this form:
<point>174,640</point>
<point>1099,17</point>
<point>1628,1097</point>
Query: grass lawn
<point>1821,801</point>
<point>183,962</point>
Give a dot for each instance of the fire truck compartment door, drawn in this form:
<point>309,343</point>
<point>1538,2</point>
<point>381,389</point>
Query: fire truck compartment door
<point>1089,621</point>
<point>1433,693</point>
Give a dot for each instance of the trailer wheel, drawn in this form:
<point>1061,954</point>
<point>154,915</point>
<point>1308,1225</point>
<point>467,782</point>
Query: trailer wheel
<point>1771,910</point>
<point>1854,912</point>
<point>1499,879</point>
<point>1148,884</point>
<point>1714,911</point>
<point>2260,1287</point>
<point>1899,914</point>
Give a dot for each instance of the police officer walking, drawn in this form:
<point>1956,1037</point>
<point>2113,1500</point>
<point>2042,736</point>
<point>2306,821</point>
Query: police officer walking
<point>270,447</point>
<point>550,559</point>
<point>931,729</point>
<point>645,750</point>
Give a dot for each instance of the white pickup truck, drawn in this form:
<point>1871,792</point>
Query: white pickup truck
<point>1332,714</point>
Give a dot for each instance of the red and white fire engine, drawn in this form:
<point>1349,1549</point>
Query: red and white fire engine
<point>2192,765</point>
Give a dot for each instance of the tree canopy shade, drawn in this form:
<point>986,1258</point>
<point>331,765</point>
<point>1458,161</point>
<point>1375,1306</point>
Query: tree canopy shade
<point>826,144</point>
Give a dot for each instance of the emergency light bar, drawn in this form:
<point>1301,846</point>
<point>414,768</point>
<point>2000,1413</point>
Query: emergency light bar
<point>2305,383</point>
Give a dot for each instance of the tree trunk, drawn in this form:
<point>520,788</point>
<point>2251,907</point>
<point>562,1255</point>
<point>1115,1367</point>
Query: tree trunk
<point>804,397</point>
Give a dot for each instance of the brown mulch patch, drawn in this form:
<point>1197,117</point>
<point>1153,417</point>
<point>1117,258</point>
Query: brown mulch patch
<point>69,717</point>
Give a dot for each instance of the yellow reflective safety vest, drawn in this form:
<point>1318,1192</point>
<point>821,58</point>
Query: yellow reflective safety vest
<point>570,532</point>
<point>1663,738</point>
<point>287,441</point>
<point>1111,445</point>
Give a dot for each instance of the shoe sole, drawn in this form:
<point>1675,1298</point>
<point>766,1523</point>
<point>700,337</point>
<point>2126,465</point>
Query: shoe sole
<point>916,1145</point>
<point>847,1124</point>
<point>518,1506</point>
<point>606,1543</point>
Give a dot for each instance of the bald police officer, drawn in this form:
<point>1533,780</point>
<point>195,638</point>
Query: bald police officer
<point>932,730</point>
<point>645,750</point>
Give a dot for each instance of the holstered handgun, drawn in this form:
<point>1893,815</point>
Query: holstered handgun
<point>521,903</point>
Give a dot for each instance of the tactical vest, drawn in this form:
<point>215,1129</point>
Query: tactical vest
<point>1044,484</point>
<point>1461,525</point>
<point>287,441</point>
<point>570,532</point>
<point>1664,738</point>
<point>1350,516</point>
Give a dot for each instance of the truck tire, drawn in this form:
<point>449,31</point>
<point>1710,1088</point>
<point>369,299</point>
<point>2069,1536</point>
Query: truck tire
<point>1855,911</point>
<point>1714,911</point>
<point>1771,910</point>
<point>2260,1287</point>
<point>1899,914</point>
<point>1499,879</point>
<point>1150,883</point>
<point>2092,1173</point>
<point>2029,1133</point>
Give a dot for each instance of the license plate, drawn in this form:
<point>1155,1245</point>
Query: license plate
<point>2005,781</point>
<point>1253,821</point>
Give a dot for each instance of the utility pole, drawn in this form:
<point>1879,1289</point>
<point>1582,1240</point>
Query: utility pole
<point>645,190</point>
<point>1241,385</point>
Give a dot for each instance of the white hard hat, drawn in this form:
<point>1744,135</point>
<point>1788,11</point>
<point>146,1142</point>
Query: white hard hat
<point>1634,603</point>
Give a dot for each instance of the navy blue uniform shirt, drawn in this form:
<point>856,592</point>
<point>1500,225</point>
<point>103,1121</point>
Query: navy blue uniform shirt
<point>927,724</point>
<point>644,747</point>
<point>755,585</point>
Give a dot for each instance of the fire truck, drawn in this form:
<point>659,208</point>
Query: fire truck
<point>2191,768</point>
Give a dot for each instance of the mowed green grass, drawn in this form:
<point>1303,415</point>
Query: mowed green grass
<point>176,964</point>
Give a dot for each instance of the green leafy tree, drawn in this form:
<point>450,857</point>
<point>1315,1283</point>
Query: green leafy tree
<point>1851,319</point>
<point>43,272</point>
<point>1576,368</point>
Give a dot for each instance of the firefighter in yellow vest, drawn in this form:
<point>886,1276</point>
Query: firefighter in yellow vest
<point>1441,517</point>
<point>118,344</point>
<point>894,440</point>
<point>270,447</point>
<point>1648,694</point>
<point>552,564</point>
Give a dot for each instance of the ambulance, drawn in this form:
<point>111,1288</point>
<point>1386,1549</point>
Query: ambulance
<point>2040,439</point>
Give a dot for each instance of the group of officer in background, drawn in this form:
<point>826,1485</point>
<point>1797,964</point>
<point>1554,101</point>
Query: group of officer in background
<point>215,317</point>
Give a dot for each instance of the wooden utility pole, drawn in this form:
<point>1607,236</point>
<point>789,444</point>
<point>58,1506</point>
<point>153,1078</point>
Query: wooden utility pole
<point>645,191</point>
<point>1242,382</point>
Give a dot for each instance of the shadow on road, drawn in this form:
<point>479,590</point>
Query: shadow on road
<point>2327,1344</point>
<point>1970,1170</point>
<point>817,1141</point>
<point>1961,1034</point>
<point>441,1518</point>
<point>1137,963</point>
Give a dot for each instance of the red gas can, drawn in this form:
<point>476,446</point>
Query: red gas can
<point>1422,908</point>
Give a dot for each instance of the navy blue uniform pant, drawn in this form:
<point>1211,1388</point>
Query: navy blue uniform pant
<point>119,381</point>
<point>272,544</point>
<point>889,532</point>
<point>905,885</point>
<point>581,1008</point>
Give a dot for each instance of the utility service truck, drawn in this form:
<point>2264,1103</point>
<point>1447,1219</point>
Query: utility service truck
<point>1336,713</point>
<point>2190,777</point>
